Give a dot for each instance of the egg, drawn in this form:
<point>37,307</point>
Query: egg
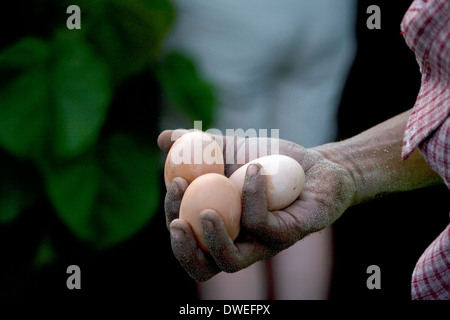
<point>192,155</point>
<point>284,182</point>
<point>212,191</point>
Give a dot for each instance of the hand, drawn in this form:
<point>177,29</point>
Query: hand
<point>329,190</point>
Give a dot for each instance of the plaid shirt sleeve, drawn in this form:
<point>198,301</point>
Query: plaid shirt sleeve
<point>426,28</point>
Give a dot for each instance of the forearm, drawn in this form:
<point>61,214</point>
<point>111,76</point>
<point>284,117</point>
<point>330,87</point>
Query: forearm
<point>373,159</point>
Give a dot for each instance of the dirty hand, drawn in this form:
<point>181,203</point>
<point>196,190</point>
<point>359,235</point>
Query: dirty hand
<point>329,190</point>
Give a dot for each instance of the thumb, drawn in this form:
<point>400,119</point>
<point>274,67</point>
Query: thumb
<point>254,200</point>
<point>266,226</point>
<point>168,137</point>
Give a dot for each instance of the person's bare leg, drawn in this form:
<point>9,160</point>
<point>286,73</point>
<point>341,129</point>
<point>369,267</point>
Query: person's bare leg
<point>303,271</point>
<point>247,284</point>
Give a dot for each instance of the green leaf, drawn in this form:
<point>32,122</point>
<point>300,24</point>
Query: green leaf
<point>23,96</point>
<point>14,197</point>
<point>18,187</point>
<point>52,95</point>
<point>185,89</point>
<point>108,194</point>
<point>128,34</point>
<point>28,52</point>
<point>81,93</point>
<point>11,201</point>
<point>45,253</point>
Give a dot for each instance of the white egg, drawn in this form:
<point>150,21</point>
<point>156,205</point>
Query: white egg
<point>285,179</point>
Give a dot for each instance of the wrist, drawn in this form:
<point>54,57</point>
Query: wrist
<point>361,160</point>
<point>336,154</point>
<point>373,161</point>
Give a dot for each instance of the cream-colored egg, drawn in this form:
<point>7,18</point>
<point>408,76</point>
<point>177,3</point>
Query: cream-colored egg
<point>192,155</point>
<point>285,179</point>
<point>212,191</point>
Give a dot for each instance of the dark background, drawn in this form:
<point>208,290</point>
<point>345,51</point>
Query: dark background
<point>390,232</point>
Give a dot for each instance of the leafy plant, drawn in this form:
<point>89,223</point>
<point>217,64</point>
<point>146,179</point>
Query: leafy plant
<point>63,135</point>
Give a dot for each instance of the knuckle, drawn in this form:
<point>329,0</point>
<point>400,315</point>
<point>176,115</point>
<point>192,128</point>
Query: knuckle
<point>230,267</point>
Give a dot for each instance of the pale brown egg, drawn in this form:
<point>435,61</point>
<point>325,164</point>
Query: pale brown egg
<point>285,179</point>
<point>212,191</point>
<point>192,155</point>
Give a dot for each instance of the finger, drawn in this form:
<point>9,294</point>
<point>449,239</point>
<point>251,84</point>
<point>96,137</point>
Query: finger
<point>167,138</point>
<point>254,200</point>
<point>192,258</point>
<point>255,216</point>
<point>164,141</point>
<point>229,257</point>
<point>173,199</point>
<point>218,241</point>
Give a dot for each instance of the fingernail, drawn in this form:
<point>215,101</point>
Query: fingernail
<point>180,183</point>
<point>207,225</point>
<point>253,169</point>
<point>177,234</point>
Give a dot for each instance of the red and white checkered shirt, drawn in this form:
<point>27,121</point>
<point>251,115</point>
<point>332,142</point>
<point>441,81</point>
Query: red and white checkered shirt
<point>426,28</point>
